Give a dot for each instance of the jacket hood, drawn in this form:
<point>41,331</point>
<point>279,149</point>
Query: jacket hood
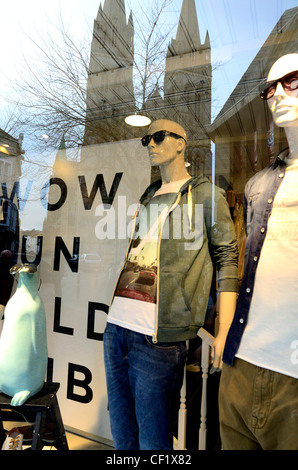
<point>187,187</point>
<point>153,187</point>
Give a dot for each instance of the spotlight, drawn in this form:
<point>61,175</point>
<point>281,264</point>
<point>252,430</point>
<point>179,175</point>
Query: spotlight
<point>137,120</point>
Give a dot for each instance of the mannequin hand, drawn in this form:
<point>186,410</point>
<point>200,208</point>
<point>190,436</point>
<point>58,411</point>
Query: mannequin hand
<point>227,304</point>
<point>217,349</point>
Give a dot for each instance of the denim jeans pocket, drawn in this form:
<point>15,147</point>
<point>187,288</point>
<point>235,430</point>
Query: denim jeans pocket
<point>179,345</point>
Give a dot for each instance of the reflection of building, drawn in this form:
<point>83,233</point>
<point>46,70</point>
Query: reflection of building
<point>10,172</point>
<point>243,132</point>
<point>110,95</point>
<point>186,89</point>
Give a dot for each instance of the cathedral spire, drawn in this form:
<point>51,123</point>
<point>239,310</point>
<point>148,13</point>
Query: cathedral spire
<point>113,38</point>
<point>188,34</point>
<point>115,11</point>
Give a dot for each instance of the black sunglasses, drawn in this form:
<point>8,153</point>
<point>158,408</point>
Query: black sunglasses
<point>158,137</point>
<point>289,83</point>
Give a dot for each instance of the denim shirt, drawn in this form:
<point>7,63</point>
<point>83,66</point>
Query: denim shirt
<point>257,205</point>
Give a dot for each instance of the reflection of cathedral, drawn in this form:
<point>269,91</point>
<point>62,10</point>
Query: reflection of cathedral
<point>240,131</point>
<point>186,93</point>
<point>110,95</point>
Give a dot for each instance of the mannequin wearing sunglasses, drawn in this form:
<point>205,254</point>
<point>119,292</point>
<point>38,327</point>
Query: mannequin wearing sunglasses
<point>259,387</point>
<point>161,296</point>
<point>166,150</point>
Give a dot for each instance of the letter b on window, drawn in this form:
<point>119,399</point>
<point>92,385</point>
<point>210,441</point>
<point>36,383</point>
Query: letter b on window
<point>82,383</point>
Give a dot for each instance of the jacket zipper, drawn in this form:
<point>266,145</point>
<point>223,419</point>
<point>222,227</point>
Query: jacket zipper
<point>174,205</point>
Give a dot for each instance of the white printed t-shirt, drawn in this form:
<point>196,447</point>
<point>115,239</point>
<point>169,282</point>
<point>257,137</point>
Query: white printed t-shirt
<point>134,303</point>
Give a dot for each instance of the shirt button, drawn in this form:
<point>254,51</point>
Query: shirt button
<point>281,175</point>
<point>262,230</point>
<point>255,258</point>
<point>270,201</point>
<point>248,290</point>
<point>241,320</point>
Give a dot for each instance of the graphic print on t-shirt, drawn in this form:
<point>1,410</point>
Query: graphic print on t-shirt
<point>138,279</point>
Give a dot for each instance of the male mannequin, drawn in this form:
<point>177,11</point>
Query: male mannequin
<point>258,395</point>
<point>162,293</point>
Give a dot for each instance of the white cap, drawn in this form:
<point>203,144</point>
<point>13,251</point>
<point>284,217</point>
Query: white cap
<point>284,65</point>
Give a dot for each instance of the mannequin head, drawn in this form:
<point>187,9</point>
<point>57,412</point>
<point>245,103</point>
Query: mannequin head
<point>284,104</point>
<point>169,145</point>
<point>167,125</point>
<point>166,142</point>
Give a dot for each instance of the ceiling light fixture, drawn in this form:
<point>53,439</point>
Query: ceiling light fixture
<point>137,120</point>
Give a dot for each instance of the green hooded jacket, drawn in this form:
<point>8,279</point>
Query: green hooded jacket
<point>197,236</point>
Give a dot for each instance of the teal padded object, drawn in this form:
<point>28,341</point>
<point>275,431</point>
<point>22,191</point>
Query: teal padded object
<point>23,341</point>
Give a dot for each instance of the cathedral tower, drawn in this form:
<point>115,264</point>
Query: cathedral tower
<point>187,85</point>
<point>110,80</point>
<point>186,94</point>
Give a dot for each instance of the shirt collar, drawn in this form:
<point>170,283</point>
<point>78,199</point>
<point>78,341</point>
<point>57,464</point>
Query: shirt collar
<point>280,159</point>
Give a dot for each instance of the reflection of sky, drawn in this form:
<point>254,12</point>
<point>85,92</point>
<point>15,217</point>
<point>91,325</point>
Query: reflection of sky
<point>250,24</point>
<point>237,30</point>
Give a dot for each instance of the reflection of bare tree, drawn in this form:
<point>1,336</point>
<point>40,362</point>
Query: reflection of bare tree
<point>51,89</point>
<point>50,92</point>
<point>81,94</point>
<point>10,119</point>
<point>152,38</point>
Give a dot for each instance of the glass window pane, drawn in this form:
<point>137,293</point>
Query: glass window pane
<point>72,169</point>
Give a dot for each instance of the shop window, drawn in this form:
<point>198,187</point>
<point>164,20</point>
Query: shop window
<point>72,169</point>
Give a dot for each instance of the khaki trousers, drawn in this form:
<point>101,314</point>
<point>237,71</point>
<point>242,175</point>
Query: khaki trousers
<point>258,408</point>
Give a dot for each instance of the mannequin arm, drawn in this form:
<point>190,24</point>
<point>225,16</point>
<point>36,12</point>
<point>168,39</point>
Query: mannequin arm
<point>227,305</point>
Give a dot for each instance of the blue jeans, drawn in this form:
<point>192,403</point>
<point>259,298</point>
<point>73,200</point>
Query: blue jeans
<point>143,382</point>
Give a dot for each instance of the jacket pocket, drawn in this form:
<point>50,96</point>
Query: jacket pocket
<point>174,310</point>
